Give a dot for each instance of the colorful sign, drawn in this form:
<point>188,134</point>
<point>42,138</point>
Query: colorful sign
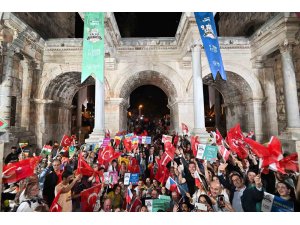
<point>200,151</point>
<point>272,203</point>
<point>129,135</point>
<point>155,205</point>
<point>3,124</point>
<point>106,142</point>
<point>207,152</point>
<point>132,178</point>
<point>210,152</point>
<point>93,46</point>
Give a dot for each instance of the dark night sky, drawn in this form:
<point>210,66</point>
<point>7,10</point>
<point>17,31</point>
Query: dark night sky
<point>153,99</point>
<point>150,24</point>
<point>140,24</point>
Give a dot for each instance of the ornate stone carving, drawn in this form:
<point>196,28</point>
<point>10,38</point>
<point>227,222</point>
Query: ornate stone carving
<point>286,46</point>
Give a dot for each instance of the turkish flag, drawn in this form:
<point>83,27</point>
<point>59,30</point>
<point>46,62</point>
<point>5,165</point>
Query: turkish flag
<point>224,152</point>
<point>235,139</point>
<point>290,162</point>
<point>127,144</point>
<point>83,167</point>
<point>55,207</point>
<point>194,144</point>
<point>134,166</point>
<point>66,141</point>
<point>219,137</point>
<point>107,134</point>
<point>162,173</point>
<point>89,197</point>
<point>257,148</point>
<point>185,128</point>
<point>16,171</point>
<point>274,147</point>
<point>107,155</point>
<point>271,161</point>
<point>168,154</point>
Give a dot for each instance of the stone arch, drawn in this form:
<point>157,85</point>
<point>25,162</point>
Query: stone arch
<point>148,77</point>
<point>241,71</point>
<point>165,72</point>
<point>55,100</point>
<point>151,78</point>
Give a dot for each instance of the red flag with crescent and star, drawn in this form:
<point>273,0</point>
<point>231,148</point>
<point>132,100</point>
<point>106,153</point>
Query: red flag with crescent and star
<point>84,168</point>
<point>16,171</point>
<point>66,141</point>
<point>168,154</point>
<point>107,155</point>
<point>89,197</point>
<point>194,144</point>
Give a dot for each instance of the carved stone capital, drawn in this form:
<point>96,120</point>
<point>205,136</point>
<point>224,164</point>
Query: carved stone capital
<point>285,47</point>
<point>196,45</point>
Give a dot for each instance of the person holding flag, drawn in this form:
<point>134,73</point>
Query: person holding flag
<point>64,188</point>
<point>51,180</point>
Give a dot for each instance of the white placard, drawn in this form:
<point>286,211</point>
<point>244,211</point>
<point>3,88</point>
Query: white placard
<point>126,178</point>
<point>200,151</point>
<point>148,203</point>
<point>201,206</point>
<point>106,177</point>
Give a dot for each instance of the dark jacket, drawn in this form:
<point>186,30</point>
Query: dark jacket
<point>49,187</point>
<point>251,196</point>
<point>11,157</point>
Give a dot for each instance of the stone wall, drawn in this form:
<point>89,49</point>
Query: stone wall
<point>50,24</point>
<point>242,23</point>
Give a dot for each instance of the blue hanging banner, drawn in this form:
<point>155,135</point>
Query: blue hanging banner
<point>208,33</point>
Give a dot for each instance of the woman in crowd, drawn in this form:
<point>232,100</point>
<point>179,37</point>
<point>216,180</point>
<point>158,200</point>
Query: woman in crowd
<point>31,198</point>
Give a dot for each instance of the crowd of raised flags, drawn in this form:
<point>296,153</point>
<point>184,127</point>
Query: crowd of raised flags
<point>112,174</point>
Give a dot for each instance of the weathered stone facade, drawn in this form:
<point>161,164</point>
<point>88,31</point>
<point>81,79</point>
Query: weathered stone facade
<point>242,23</point>
<point>44,75</point>
<point>50,24</point>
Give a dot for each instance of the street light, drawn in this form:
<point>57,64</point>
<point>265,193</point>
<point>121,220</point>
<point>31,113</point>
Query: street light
<point>140,110</point>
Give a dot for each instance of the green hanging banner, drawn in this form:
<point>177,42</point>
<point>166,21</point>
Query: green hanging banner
<point>93,46</point>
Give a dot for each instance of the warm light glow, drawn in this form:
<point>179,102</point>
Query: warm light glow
<point>140,106</point>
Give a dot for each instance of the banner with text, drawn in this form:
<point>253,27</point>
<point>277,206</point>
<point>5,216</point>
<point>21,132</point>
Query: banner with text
<point>93,46</point>
<point>208,33</point>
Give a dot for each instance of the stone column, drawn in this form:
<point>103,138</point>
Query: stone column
<point>270,104</point>
<point>98,131</point>
<point>258,68</point>
<point>257,112</point>
<point>6,87</point>
<point>217,109</point>
<point>116,114</point>
<point>289,86</point>
<point>199,115</point>
<point>26,90</point>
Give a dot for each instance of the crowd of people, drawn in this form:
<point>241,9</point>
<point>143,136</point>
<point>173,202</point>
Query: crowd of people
<point>188,183</point>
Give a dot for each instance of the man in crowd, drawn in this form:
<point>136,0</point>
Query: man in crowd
<point>52,179</point>
<point>12,156</point>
